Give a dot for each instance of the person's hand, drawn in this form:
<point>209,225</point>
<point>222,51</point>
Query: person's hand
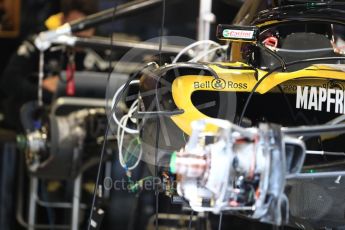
<point>51,83</point>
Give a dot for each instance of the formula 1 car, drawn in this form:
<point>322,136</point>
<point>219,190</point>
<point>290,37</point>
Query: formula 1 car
<point>264,124</point>
<point>285,66</point>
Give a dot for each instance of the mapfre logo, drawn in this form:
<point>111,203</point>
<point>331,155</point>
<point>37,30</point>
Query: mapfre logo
<point>239,34</point>
<point>321,99</point>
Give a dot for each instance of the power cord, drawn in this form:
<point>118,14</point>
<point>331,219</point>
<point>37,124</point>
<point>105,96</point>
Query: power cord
<point>105,137</point>
<point>161,33</point>
<point>158,118</point>
<point>97,178</point>
<point>220,221</point>
<point>190,220</point>
<point>195,44</point>
<point>156,172</point>
<point>125,86</point>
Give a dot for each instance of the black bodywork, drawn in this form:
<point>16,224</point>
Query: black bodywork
<point>314,203</point>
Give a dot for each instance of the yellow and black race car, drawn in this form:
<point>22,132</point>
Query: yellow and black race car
<point>285,66</point>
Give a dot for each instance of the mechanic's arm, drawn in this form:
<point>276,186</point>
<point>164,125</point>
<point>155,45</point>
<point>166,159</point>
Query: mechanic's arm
<point>15,80</point>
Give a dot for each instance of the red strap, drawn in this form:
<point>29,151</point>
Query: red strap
<point>70,84</point>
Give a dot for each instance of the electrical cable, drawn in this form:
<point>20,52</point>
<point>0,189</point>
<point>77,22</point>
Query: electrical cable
<point>208,52</point>
<point>252,92</point>
<point>220,221</point>
<point>98,176</point>
<point>292,114</point>
<point>304,51</point>
<point>158,119</point>
<point>115,98</point>
<point>165,69</point>
<point>190,220</point>
<point>279,68</point>
<point>125,86</point>
<point>120,137</point>
<point>122,124</point>
<point>161,33</point>
<point>197,43</point>
<point>156,172</point>
<point>337,120</point>
<point>314,130</point>
<point>104,141</point>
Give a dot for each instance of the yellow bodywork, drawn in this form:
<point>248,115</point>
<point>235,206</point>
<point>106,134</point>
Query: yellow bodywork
<point>183,86</point>
<point>54,21</point>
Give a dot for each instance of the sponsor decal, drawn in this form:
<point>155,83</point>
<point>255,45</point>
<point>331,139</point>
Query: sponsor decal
<point>238,34</point>
<point>321,99</point>
<point>219,83</point>
<point>291,87</point>
<point>334,84</point>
